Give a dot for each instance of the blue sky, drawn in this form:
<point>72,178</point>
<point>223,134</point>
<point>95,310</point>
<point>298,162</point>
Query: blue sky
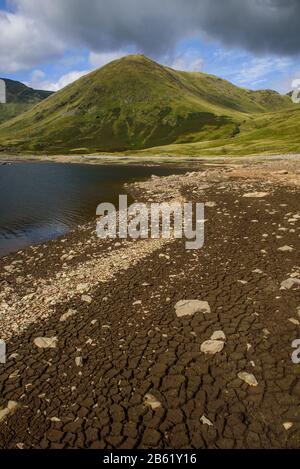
<point>49,43</point>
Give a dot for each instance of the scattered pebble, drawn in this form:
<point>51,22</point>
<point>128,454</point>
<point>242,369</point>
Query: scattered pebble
<point>248,378</point>
<point>151,401</point>
<point>46,342</point>
<point>68,315</point>
<point>205,421</point>
<point>211,347</point>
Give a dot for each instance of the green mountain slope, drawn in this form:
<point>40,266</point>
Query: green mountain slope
<point>268,133</point>
<point>19,99</point>
<point>133,104</point>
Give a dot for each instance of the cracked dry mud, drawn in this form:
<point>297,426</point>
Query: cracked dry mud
<point>126,372</point>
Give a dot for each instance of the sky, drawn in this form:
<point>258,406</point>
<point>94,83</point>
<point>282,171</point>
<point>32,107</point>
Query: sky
<point>47,44</point>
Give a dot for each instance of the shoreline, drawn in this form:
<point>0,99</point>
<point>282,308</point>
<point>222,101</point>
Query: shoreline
<point>125,371</point>
<point>147,160</point>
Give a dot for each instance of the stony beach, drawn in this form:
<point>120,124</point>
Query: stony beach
<point>123,344</point>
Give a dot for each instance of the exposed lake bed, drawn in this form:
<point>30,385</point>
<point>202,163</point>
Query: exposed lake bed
<point>98,356</point>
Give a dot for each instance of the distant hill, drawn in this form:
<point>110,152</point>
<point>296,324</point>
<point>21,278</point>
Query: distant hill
<point>19,98</point>
<point>133,104</point>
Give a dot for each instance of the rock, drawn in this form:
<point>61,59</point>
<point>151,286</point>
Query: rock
<point>164,256</point>
<point>87,299</point>
<point>82,287</point>
<point>218,335</point>
<point>20,280</point>
<point>46,342</point>
<point>79,361</point>
<point>298,311</point>
<point>210,204</point>
<point>248,378</point>
<point>151,401</point>
<point>11,407</point>
<point>287,425</point>
<point>257,271</point>
<point>294,321</point>
<point>20,445</point>
<point>68,315</point>
<point>255,195</point>
<point>205,421</point>
<point>211,347</point>
<point>14,375</point>
<point>191,307</point>
<point>285,249</point>
<point>290,283</point>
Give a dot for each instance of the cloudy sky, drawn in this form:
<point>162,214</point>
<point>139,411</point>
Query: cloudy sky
<point>253,43</point>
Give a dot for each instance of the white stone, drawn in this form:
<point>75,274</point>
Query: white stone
<point>210,204</point>
<point>290,283</point>
<point>79,361</point>
<point>256,195</point>
<point>248,378</point>
<point>286,249</point>
<point>151,401</point>
<point>205,421</point>
<point>218,335</point>
<point>46,342</point>
<point>82,287</point>
<point>87,299</point>
<point>11,407</point>
<point>68,315</point>
<point>211,347</point>
<point>257,271</point>
<point>294,321</point>
<point>191,307</point>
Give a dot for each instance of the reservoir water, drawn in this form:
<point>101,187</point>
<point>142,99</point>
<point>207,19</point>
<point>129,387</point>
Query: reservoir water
<point>41,201</point>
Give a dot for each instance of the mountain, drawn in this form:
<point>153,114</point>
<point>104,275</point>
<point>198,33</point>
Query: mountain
<point>19,98</point>
<point>133,104</point>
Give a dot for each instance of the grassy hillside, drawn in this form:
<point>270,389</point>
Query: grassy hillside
<point>270,133</point>
<point>19,99</point>
<point>133,104</point>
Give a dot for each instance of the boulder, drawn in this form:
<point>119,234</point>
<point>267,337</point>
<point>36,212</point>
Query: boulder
<point>190,307</point>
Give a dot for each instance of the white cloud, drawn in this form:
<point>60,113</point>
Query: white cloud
<point>256,70</point>
<point>98,60</point>
<point>37,31</point>
<point>38,77</point>
<point>22,43</point>
<point>187,63</point>
<point>38,80</point>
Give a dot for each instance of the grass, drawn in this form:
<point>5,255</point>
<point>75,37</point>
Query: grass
<point>20,98</point>
<point>137,106</point>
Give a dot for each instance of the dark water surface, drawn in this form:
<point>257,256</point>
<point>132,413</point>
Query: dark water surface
<point>41,201</point>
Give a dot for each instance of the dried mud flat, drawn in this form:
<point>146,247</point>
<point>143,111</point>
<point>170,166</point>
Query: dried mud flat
<point>99,357</point>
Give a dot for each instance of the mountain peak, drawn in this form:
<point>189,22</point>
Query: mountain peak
<point>135,103</point>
